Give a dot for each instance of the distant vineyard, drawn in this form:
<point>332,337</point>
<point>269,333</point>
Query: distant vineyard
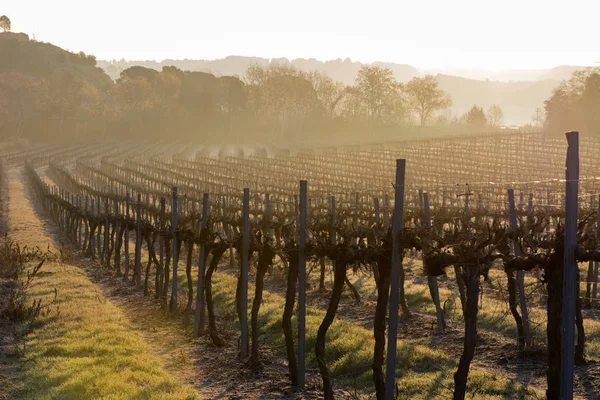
<point>469,208</point>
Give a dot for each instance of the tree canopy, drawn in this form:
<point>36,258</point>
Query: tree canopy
<point>426,98</point>
<point>5,23</point>
<point>574,104</point>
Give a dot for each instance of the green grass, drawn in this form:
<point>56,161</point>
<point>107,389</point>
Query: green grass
<point>84,348</point>
<point>423,372</point>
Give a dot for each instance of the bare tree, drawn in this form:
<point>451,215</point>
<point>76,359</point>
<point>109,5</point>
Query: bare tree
<point>426,97</point>
<point>495,115</point>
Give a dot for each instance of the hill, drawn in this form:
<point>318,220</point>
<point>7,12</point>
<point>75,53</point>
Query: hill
<point>341,70</point>
<point>44,60</point>
<point>519,100</point>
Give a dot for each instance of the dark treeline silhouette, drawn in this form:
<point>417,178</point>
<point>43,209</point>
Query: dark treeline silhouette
<point>575,103</point>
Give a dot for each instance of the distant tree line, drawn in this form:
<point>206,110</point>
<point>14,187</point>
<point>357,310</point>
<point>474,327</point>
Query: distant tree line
<point>575,104</point>
<point>46,92</point>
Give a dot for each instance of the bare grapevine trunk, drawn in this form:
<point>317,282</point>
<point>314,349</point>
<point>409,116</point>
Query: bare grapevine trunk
<point>167,273</point>
<point>265,260</point>
<point>458,271</point>
<point>322,276</point>
<point>461,375</point>
<point>384,266</point>
<point>554,277</point>
<point>512,301</point>
<point>402,298</point>
<point>338,286</point>
<point>355,293</point>
<point>188,275</point>
<point>588,285</point>
<point>150,239</point>
<point>217,254</point>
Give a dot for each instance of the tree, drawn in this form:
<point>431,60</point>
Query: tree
<point>426,97</point>
<point>329,92</point>
<point>476,117</point>
<point>379,92</point>
<point>590,102</point>
<point>5,23</point>
<point>495,115</point>
<point>574,103</point>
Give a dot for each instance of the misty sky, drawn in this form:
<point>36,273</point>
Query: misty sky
<point>491,34</point>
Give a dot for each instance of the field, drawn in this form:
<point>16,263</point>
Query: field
<point>279,268</point>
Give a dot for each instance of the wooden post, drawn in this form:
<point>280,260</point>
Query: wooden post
<point>161,247</point>
<point>86,224</point>
<point>244,272</point>
<point>92,241</point>
<point>138,243</point>
<point>98,233</point>
<point>80,243</point>
<point>118,237</point>
<point>570,265</point>
<point>397,225</point>
<point>302,286</point>
<point>227,228</point>
<point>105,255</point>
<point>432,280</point>
<point>200,282</point>
<point>174,252</point>
<point>596,264</point>
<point>126,274</point>
<point>520,274</point>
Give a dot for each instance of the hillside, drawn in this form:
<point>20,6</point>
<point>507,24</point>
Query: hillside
<point>44,60</point>
<point>518,99</point>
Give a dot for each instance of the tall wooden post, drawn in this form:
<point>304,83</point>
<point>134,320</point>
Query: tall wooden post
<point>397,225</point>
<point>105,255</point>
<point>200,282</point>
<point>174,252</point>
<point>244,272</point>
<point>570,265</point>
<point>118,237</point>
<point>596,263</point>
<point>161,247</point>
<point>98,230</point>
<point>138,243</point>
<point>302,286</point>
<point>126,274</point>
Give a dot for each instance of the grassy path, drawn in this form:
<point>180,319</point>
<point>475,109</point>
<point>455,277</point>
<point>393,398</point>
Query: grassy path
<point>84,347</point>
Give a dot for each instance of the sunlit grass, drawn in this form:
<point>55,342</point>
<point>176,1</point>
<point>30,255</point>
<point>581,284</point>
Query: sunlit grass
<point>349,349</point>
<point>85,347</point>
<point>82,347</point>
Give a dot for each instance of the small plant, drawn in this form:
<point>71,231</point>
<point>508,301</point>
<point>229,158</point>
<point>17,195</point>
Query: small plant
<point>13,269</point>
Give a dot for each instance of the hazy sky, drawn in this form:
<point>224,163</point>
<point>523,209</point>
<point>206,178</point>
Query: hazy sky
<point>491,34</point>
